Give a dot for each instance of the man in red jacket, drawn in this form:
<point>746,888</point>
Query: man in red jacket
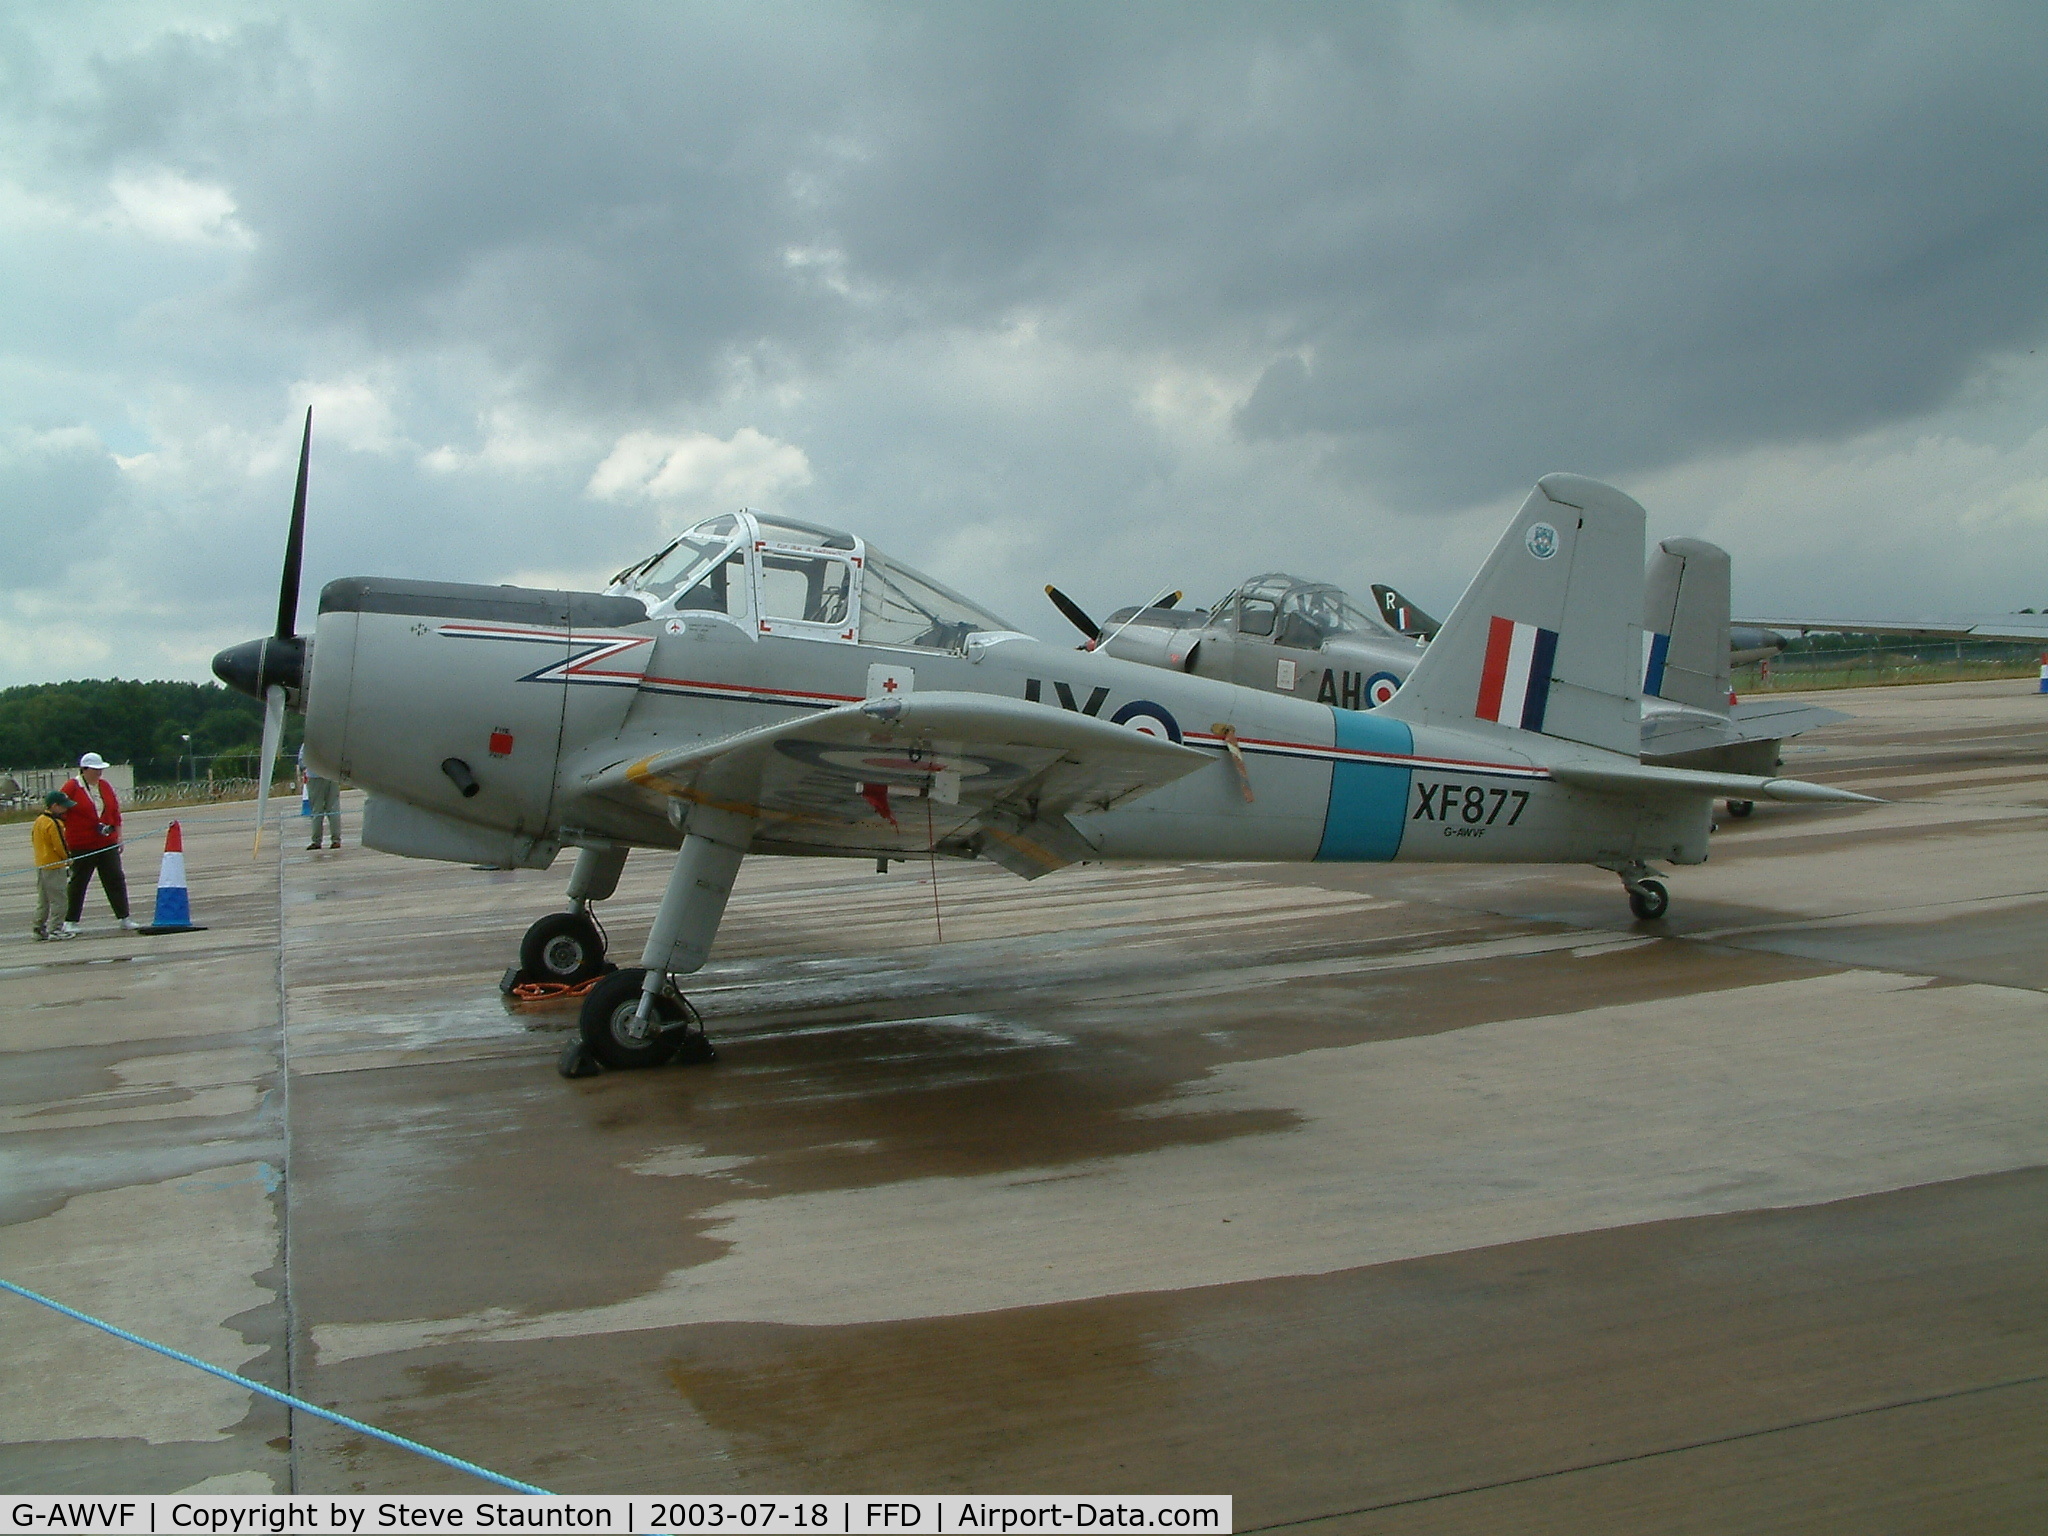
<point>92,830</point>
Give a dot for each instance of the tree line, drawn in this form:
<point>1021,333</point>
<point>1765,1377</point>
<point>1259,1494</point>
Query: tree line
<point>47,725</point>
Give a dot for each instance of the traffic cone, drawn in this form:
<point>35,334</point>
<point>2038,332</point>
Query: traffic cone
<point>173,902</point>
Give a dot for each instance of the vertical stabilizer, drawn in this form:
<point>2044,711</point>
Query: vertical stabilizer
<point>1546,638</point>
<point>1685,625</point>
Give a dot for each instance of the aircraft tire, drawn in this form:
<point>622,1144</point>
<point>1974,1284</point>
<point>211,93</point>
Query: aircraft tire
<point>607,1023</point>
<point>1740,808</point>
<point>562,947</point>
<point>1649,900</point>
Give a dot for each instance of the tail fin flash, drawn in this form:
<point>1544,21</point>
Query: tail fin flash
<point>1546,639</point>
<point>1685,625</point>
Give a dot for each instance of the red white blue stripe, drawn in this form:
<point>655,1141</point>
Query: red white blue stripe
<point>1514,684</point>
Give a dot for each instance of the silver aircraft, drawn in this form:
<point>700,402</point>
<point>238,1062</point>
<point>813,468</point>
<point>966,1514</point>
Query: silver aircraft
<point>2019,628</point>
<point>1286,634</point>
<point>765,686</point>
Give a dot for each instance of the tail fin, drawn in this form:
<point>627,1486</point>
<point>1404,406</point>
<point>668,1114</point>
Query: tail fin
<point>1402,616</point>
<point>1546,639</point>
<point>1685,625</point>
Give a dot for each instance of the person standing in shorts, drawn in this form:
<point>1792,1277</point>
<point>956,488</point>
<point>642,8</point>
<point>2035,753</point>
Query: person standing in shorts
<point>53,863</point>
<point>92,829</point>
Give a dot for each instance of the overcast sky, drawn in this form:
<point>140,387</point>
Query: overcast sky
<point>1106,295</point>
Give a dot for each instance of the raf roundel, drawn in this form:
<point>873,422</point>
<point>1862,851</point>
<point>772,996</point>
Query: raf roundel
<point>1542,540</point>
<point>1148,719</point>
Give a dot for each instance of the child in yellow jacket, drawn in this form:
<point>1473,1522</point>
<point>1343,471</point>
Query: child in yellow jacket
<point>53,863</point>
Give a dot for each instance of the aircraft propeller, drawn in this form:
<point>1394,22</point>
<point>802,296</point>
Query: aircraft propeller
<point>1075,613</point>
<point>274,668</point>
<point>1078,616</point>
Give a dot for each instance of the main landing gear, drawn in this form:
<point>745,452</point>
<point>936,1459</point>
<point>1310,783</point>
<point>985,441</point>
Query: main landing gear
<point>612,1032</point>
<point>567,948</point>
<point>637,1017</point>
<point>1647,896</point>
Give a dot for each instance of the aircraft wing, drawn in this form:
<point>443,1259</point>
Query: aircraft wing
<point>2022,628</point>
<point>892,776</point>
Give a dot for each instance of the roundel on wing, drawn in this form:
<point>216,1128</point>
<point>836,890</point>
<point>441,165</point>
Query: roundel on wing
<point>892,764</point>
<point>1148,719</point>
<point>1380,687</point>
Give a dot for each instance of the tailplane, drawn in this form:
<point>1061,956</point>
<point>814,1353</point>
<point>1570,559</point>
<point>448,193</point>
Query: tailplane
<point>1546,638</point>
<point>1685,625</point>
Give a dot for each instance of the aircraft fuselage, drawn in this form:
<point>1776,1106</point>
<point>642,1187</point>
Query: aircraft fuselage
<point>533,695</point>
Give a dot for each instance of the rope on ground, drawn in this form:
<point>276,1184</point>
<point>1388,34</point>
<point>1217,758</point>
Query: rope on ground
<point>537,991</point>
<point>286,1398</point>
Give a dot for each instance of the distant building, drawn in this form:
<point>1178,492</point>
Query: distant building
<point>27,786</point>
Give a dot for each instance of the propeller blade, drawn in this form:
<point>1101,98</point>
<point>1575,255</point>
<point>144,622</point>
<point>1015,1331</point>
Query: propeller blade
<point>1171,600</point>
<point>1076,614</point>
<point>1136,614</point>
<point>273,732</point>
<point>294,544</point>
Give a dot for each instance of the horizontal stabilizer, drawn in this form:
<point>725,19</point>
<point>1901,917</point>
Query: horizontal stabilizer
<point>1759,720</point>
<point>1642,779</point>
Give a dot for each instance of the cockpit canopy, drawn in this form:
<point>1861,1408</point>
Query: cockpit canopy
<point>775,575</point>
<point>1293,611</point>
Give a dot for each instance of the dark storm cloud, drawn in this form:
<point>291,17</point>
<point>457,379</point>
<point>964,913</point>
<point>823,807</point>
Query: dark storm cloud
<point>1453,247</point>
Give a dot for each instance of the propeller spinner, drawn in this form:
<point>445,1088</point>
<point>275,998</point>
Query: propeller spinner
<point>273,669</point>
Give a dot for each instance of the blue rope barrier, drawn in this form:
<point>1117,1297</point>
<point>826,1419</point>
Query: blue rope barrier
<point>286,1398</point>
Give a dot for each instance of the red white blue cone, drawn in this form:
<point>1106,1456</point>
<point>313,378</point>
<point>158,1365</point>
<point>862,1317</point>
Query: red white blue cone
<point>173,901</point>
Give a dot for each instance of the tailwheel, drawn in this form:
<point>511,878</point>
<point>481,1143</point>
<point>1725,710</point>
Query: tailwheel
<point>563,946</point>
<point>617,1037</point>
<point>1649,900</point>
<point>1740,808</point>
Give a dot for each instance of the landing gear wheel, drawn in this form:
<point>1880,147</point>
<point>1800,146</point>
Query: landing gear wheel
<point>613,1034</point>
<point>564,947</point>
<point>1649,900</point>
<point>1740,808</point>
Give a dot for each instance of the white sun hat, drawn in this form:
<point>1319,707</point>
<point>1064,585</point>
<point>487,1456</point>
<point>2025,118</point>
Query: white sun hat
<point>92,760</point>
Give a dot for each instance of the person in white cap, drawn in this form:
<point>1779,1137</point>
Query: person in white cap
<point>92,829</point>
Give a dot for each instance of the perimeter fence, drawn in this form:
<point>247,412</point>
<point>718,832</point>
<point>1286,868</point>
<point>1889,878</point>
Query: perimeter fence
<point>1873,661</point>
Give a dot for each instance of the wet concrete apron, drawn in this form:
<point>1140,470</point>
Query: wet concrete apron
<point>1384,1199</point>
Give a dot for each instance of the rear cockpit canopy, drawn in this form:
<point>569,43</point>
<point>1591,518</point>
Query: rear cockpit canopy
<point>774,575</point>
